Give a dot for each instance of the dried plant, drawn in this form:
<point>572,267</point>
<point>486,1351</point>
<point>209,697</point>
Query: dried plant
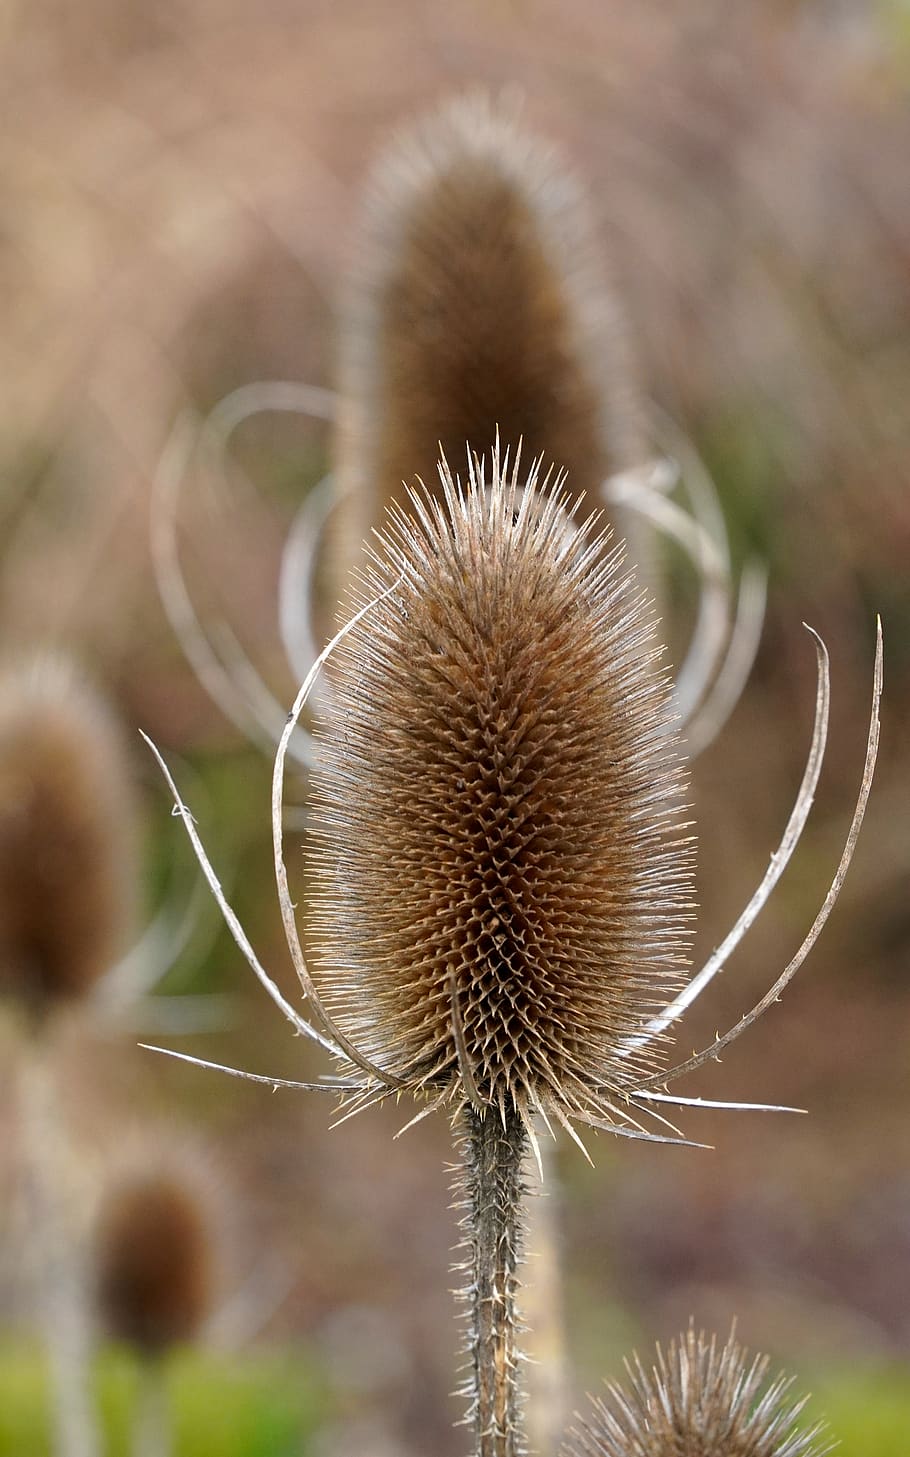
<point>480,305</point>
<point>66,837</point>
<point>477,302</point>
<point>154,1261</point>
<point>503,886</point>
<point>699,1400</point>
<point>520,816</point>
<point>475,232</point>
<point>502,890</point>
<point>154,1279</point>
<point>66,890</point>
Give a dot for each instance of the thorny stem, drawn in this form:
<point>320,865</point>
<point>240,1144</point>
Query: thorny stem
<point>493,1147</point>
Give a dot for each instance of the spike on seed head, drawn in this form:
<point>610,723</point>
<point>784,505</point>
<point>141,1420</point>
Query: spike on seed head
<point>154,1266</point>
<point>502,882</point>
<point>477,303</point>
<point>699,1401</point>
<point>65,835</point>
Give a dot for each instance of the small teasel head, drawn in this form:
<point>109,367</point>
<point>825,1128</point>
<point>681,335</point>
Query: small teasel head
<point>66,836</point>
<point>154,1257</point>
<point>503,882</point>
<point>478,302</point>
<point>475,232</point>
<point>699,1400</point>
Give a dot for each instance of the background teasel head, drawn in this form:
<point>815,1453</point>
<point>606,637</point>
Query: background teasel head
<point>66,835</point>
<point>477,302</point>
<point>699,1401</point>
<point>155,1262</point>
<point>502,882</point>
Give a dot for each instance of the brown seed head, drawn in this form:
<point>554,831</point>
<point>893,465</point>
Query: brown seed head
<point>502,887</point>
<point>698,1401</point>
<point>66,838</point>
<point>478,303</point>
<point>154,1262</point>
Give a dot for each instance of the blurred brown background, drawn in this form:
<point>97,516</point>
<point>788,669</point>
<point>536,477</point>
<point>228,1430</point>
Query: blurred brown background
<point>180,181</point>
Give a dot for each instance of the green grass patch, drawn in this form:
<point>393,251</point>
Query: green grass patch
<point>868,1410</point>
<point>238,1407</point>
<point>271,1406</point>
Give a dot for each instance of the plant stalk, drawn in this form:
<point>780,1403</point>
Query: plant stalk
<point>58,1268</point>
<point>152,1430</point>
<point>494,1147</point>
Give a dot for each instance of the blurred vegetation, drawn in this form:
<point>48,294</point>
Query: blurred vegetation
<point>273,1405</point>
<point>262,1406</point>
<point>867,1410</point>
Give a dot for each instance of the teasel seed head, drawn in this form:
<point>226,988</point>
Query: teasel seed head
<point>477,302</point>
<point>699,1400</point>
<point>66,836</point>
<point>502,882</point>
<point>154,1260</point>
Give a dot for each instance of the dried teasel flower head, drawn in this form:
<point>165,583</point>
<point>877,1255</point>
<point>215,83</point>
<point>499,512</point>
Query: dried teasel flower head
<point>481,779</point>
<point>502,883</point>
<point>699,1400</point>
<point>66,835</point>
<point>154,1259</point>
<point>477,302</point>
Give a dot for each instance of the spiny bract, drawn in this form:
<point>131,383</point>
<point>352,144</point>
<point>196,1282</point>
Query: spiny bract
<point>502,885</point>
<point>699,1401</point>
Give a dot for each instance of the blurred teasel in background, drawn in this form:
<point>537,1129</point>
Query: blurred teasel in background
<point>67,868</point>
<point>155,1280</point>
<point>478,302</point>
<point>154,1260</point>
<point>67,837</point>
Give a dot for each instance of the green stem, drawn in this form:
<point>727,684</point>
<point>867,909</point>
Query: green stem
<point>494,1150</point>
